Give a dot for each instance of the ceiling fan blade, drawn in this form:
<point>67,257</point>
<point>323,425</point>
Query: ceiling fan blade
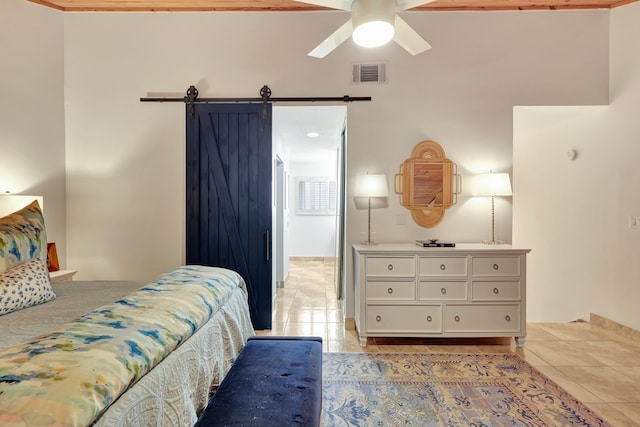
<point>410,4</point>
<point>333,41</point>
<point>332,4</point>
<point>406,37</point>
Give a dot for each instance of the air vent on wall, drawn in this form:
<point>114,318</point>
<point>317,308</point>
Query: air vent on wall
<point>370,73</point>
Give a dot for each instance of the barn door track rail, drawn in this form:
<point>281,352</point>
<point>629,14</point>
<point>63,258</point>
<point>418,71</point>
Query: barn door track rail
<point>191,98</point>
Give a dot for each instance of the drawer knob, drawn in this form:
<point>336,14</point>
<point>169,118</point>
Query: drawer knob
<point>507,318</point>
<point>496,291</point>
<point>429,318</point>
<point>457,318</point>
<point>443,267</point>
<point>496,266</point>
<point>390,267</point>
<point>390,290</point>
<point>443,290</point>
<point>378,318</point>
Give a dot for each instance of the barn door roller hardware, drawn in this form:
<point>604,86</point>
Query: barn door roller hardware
<point>191,98</point>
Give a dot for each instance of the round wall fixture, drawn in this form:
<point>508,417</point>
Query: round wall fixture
<point>571,154</point>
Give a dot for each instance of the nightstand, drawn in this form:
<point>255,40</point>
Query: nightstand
<point>62,275</point>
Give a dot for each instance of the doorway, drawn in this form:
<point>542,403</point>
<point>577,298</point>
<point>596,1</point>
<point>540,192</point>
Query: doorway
<point>309,145</point>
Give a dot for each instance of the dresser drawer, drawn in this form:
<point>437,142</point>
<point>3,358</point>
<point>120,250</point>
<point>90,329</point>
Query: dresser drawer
<point>388,291</point>
<point>482,318</point>
<point>442,266</point>
<point>495,291</point>
<point>391,266</point>
<point>442,290</point>
<point>495,266</point>
<point>404,318</point>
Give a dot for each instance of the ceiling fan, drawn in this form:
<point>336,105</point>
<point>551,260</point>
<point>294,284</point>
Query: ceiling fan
<point>373,23</point>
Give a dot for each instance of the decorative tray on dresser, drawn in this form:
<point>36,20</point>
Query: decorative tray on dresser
<point>471,290</point>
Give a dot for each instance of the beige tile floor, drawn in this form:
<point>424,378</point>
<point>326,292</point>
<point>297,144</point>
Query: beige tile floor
<point>598,367</point>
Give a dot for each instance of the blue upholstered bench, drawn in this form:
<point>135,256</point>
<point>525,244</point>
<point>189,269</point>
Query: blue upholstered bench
<point>275,381</point>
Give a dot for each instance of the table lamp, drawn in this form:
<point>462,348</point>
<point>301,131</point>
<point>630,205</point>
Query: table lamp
<point>9,202</point>
<point>493,185</point>
<point>370,186</point>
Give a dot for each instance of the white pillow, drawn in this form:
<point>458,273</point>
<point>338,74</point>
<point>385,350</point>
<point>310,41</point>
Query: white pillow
<point>25,285</point>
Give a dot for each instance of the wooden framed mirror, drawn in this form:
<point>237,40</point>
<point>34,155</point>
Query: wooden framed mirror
<point>428,183</point>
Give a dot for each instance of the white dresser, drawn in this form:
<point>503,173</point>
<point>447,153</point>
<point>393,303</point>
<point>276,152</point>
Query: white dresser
<point>472,290</point>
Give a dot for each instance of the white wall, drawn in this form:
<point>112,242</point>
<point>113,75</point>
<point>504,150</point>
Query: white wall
<point>620,297</point>
<point>32,147</point>
<point>574,214</point>
<point>125,159</point>
<point>311,235</point>
<point>562,208</point>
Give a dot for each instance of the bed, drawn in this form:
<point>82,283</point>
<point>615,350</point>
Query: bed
<point>111,353</point>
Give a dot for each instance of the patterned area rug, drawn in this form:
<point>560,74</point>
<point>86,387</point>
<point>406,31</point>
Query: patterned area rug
<point>362,389</point>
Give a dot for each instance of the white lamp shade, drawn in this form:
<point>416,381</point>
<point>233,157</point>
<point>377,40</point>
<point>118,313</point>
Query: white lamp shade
<point>9,203</point>
<point>492,184</point>
<point>373,22</point>
<point>371,186</point>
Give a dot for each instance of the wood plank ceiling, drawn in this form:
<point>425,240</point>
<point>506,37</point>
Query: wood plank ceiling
<point>291,5</point>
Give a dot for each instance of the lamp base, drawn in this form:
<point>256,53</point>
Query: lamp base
<point>368,238</point>
<point>494,242</point>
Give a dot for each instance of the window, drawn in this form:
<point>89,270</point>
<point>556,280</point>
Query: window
<point>315,196</point>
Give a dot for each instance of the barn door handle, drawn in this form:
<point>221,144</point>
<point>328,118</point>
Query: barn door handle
<point>267,246</point>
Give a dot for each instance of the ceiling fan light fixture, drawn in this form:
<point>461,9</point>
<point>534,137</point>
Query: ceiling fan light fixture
<point>373,22</point>
<point>373,34</point>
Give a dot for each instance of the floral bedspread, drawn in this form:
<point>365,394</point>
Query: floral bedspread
<point>70,375</point>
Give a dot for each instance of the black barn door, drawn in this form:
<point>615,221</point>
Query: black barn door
<point>228,212</point>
